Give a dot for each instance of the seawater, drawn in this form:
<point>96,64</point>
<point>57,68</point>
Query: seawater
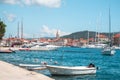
<point>109,66</point>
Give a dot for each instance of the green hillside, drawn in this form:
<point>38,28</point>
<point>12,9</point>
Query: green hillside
<point>84,34</point>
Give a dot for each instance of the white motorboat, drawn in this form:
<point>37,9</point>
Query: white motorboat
<point>39,46</point>
<point>108,51</point>
<point>44,47</point>
<point>66,70</point>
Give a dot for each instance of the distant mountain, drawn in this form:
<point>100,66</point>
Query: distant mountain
<point>84,34</point>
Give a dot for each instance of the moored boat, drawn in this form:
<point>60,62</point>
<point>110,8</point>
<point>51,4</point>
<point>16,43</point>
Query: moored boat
<point>6,51</point>
<point>44,47</point>
<point>67,70</point>
<point>109,50</point>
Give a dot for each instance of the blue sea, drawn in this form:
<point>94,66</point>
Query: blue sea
<point>109,66</point>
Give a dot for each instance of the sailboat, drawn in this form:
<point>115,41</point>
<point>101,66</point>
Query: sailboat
<point>109,50</point>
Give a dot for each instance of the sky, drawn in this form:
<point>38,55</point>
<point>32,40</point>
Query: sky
<point>43,18</point>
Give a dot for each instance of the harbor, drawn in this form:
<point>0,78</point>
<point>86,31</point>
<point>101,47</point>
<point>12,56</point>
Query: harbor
<point>69,56</point>
<point>59,40</point>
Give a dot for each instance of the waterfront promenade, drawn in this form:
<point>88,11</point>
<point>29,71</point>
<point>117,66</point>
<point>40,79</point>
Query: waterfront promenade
<point>11,72</point>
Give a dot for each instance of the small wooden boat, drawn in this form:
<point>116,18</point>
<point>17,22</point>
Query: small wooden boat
<point>66,70</point>
<point>33,66</point>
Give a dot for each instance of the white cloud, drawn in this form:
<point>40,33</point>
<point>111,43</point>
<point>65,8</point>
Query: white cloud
<point>46,31</point>
<point>9,16</point>
<point>12,2</point>
<point>47,3</point>
<point>27,2</point>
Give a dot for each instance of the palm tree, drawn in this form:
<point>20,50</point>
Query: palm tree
<point>2,29</point>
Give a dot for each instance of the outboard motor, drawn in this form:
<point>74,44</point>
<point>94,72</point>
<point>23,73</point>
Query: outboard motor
<point>91,65</point>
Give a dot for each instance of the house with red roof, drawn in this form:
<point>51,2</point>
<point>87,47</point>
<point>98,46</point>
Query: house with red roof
<point>117,39</point>
<point>102,38</point>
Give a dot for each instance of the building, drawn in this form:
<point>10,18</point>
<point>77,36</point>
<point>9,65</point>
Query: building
<point>102,38</point>
<point>57,35</point>
<point>117,39</point>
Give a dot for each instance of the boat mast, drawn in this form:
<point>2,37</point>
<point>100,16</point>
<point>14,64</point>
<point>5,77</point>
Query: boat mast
<point>88,38</point>
<point>22,29</point>
<point>109,28</point>
<point>18,31</point>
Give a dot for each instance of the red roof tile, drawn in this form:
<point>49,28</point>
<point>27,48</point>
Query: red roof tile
<point>117,35</point>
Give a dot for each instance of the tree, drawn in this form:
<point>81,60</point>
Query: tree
<point>2,29</point>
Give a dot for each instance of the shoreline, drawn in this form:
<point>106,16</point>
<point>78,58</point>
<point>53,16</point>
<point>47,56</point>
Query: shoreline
<point>12,72</point>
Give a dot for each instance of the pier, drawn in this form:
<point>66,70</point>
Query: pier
<point>11,72</point>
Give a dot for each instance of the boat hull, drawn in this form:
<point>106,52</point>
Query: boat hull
<point>6,51</point>
<point>62,70</point>
<point>108,51</point>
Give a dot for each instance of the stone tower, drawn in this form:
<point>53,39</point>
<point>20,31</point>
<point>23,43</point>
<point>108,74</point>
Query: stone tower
<point>57,35</point>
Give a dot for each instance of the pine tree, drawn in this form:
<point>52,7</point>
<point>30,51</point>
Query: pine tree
<point>2,29</point>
